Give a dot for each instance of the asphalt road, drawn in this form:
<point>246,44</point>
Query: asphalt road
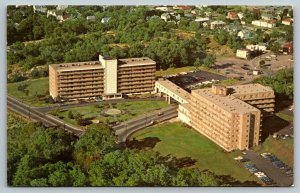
<point>125,129</point>
<point>277,175</point>
<point>47,120</point>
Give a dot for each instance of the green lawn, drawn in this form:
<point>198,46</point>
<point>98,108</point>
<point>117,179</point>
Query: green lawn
<point>180,141</point>
<point>129,110</point>
<point>35,88</point>
<point>286,117</point>
<point>282,148</point>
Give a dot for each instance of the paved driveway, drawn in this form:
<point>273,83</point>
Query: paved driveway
<point>277,175</point>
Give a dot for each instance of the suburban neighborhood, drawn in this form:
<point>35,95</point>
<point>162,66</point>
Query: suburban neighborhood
<point>165,95</point>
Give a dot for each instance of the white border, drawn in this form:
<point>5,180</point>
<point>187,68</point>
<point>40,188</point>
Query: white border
<point>3,3</point>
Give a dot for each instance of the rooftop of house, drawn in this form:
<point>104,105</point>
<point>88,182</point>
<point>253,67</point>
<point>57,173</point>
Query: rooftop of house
<point>218,22</point>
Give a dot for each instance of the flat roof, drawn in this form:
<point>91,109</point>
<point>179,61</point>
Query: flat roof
<point>249,89</point>
<point>77,66</point>
<point>174,89</point>
<point>135,61</point>
<point>228,103</point>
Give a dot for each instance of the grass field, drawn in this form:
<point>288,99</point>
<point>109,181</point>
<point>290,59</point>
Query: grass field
<point>95,112</point>
<point>286,117</point>
<point>180,141</point>
<point>35,88</point>
<point>282,148</point>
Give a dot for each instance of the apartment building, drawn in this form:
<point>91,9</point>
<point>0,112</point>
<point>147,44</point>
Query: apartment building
<point>107,78</point>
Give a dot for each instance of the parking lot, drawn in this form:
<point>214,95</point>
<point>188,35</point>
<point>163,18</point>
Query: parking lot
<point>186,80</point>
<point>243,69</point>
<point>269,165</point>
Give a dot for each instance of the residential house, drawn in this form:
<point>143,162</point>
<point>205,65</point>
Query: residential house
<point>232,28</point>
<point>201,20</point>
<point>258,47</point>
<point>62,7</point>
<point>163,8</point>
<point>217,24</point>
<point>262,23</point>
<point>232,15</point>
<point>288,48</point>
<point>184,7</point>
<point>205,24</point>
<point>243,53</point>
<point>267,17</point>
<point>39,8</point>
<point>105,19</point>
<point>287,21</point>
<point>244,34</point>
<point>91,18</point>
<point>59,15</point>
<point>166,17</point>
<point>240,15</point>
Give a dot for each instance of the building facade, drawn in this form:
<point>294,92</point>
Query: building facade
<point>107,78</point>
<point>229,116</point>
<point>226,120</point>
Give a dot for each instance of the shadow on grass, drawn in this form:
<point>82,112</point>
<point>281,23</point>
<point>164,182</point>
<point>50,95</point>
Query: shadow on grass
<point>146,143</point>
<point>282,102</point>
<point>271,125</point>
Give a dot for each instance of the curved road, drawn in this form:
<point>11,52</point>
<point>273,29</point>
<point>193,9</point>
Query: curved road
<point>47,120</point>
<point>122,130</point>
<point>127,128</point>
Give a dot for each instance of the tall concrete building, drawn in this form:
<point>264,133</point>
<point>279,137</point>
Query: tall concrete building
<point>230,116</point>
<point>107,78</point>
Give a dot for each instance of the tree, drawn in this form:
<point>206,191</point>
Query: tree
<point>209,60</point>
<point>93,145</point>
<point>70,114</point>
<point>221,37</point>
<point>275,47</point>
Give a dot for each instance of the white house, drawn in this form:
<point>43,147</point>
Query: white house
<point>267,24</point>
<point>287,21</point>
<point>105,19</point>
<point>91,18</point>
<point>261,47</point>
<point>240,15</point>
<point>242,53</point>
<point>217,24</point>
<point>202,19</point>
<point>166,17</point>
<point>244,34</point>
